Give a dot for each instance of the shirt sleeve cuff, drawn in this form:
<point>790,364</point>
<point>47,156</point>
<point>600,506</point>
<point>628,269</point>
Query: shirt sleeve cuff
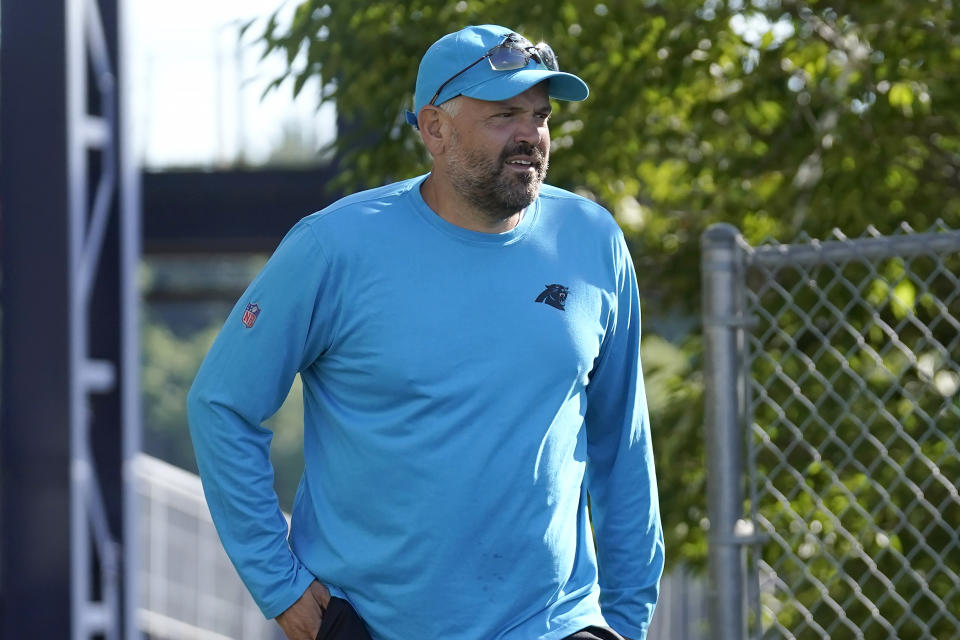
<point>279,603</point>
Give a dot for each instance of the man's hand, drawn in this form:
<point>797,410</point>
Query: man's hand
<point>301,621</point>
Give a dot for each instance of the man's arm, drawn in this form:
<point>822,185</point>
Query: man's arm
<point>620,472</point>
<point>273,332</point>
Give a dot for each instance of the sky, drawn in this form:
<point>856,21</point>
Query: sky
<point>196,91</point>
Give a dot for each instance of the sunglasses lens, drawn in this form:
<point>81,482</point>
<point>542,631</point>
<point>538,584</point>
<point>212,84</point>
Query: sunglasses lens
<point>511,56</point>
<point>506,58</point>
<point>547,57</point>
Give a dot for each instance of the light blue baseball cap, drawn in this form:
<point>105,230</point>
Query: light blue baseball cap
<point>451,54</point>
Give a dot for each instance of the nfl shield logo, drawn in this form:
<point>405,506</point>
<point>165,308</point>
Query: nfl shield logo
<point>250,315</point>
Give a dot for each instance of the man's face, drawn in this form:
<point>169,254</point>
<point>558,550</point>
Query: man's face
<point>499,152</point>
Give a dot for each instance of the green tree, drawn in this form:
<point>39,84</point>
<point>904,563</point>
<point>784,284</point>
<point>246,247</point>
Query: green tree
<point>778,116</point>
<point>169,364</point>
<point>775,115</point>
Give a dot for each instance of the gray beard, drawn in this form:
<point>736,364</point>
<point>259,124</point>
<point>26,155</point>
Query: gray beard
<point>491,187</point>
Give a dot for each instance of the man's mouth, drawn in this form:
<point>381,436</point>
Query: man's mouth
<point>522,164</point>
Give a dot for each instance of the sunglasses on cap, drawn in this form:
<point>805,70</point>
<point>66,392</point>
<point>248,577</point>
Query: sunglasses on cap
<point>513,53</point>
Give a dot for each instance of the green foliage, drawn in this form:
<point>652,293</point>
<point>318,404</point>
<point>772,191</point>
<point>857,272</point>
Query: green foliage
<point>778,116</point>
<point>674,391</point>
<point>169,364</point>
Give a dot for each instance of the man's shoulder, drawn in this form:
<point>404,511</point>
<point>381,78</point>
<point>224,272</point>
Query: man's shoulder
<point>584,209</point>
<point>351,221</point>
<point>350,209</point>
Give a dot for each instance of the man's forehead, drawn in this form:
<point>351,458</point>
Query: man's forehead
<point>535,97</point>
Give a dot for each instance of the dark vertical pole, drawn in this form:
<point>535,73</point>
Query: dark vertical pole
<point>35,431</point>
<point>106,331</point>
<point>42,371</point>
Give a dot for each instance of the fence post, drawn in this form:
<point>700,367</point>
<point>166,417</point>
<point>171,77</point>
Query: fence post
<point>722,322</point>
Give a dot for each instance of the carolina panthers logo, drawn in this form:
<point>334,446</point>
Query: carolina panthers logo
<point>554,295</point>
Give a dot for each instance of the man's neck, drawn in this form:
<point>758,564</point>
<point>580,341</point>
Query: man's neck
<point>450,206</point>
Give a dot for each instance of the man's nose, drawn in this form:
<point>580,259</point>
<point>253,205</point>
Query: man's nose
<point>529,131</point>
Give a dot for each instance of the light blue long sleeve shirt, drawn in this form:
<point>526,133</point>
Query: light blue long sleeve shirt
<point>464,393</point>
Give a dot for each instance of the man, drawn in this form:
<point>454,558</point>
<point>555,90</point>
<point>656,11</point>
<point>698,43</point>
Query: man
<point>468,343</point>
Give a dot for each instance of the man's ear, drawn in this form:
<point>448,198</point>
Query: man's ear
<point>434,128</point>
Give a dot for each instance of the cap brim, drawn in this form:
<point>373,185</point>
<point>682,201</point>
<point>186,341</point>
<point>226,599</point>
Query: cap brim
<point>503,86</point>
<point>563,86</point>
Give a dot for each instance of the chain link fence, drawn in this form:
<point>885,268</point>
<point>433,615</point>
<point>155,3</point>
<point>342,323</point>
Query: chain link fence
<point>833,374</point>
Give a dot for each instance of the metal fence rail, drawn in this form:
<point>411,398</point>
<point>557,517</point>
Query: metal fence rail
<point>188,588</point>
<point>844,363</point>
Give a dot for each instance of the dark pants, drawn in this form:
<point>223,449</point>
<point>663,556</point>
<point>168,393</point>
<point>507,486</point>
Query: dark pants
<point>595,633</point>
<point>341,622</point>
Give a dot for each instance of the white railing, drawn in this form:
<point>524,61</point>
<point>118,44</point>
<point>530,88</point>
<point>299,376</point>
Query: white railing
<point>188,588</point>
